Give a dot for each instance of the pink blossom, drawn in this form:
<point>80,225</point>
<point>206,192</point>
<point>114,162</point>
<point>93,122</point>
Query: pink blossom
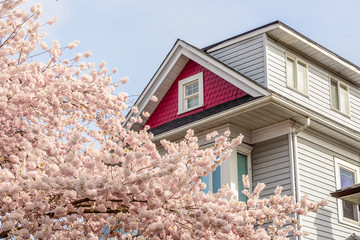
<point>134,109</point>
<point>52,21</point>
<point>154,98</point>
<point>124,80</point>
<point>69,163</point>
<point>43,45</point>
<point>73,44</point>
<point>145,114</point>
<point>87,54</point>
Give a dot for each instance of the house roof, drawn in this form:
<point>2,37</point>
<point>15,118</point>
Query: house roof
<point>301,44</point>
<point>353,237</point>
<point>351,194</point>
<point>200,115</point>
<point>172,66</point>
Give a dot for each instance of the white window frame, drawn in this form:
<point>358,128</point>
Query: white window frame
<point>356,170</point>
<point>182,106</point>
<point>229,174</point>
<point>347,111</point>
<point>296,62</point>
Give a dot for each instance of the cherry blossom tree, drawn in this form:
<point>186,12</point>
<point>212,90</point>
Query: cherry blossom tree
<point>69,167</point>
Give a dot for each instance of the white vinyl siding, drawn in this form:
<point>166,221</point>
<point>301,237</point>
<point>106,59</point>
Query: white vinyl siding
<point>246,56</point>
<point>318,98</point>
<point>271,165</point>
<point>317,180</point>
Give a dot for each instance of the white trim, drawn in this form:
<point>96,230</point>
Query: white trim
<point>351,168</point>
<point>270,132</point>
<point>243,37</point>
<point>160,75</point>
<point>263,101</point>
<point>227,73</point>
<point>266,60</point>
<point>182,106</point>
<point>225,114</point>
<point>320,49</point>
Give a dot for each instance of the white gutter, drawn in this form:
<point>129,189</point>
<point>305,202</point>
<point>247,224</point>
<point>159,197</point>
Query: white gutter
<point>272,98</point>
<point>302,111</point>
<point>225,114</point>
<point>295,163</point>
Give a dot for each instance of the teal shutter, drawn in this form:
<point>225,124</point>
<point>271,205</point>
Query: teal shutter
<point>216,179</point>
<point>242,169</point>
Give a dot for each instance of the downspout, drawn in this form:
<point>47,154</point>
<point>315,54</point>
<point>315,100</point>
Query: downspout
<point>296,162</point>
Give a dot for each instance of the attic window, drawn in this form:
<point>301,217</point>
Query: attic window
<point>296,74</point>
<point>191,93</point>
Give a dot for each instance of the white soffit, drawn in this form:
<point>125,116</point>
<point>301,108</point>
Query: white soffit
<point>288,36</point>
<point>315,51</point>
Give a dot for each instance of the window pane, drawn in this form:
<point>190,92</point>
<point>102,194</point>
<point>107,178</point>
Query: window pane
<point>290,74</point>
<point>242,169</point>
<point>343,97</point>
<point>216,179</point>
<point>347,178</point>
<point>192,88</point>
<point>206,180</point>
<point>350,210</point>
<point>334,95</point>
<point>192,102</point>
<point>301,77</point>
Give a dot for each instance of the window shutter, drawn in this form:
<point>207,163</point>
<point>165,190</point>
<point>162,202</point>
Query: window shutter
<point>216,179</point>
<point>242,169</point>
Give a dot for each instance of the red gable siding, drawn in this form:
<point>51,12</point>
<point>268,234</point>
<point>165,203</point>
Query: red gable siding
<point>216,91</point>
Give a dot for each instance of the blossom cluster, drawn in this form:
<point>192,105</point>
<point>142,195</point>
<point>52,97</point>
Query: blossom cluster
<point>69,166</point>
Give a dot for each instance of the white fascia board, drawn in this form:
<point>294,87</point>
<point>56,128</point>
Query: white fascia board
<point>224,72</point>
<point>320,49</point>
<point>157,79</point>
<point>213,118</point>
<point>271,131</point>
<point>243,37</point>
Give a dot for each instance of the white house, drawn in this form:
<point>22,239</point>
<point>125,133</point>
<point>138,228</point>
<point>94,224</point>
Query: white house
<point>296,103</point>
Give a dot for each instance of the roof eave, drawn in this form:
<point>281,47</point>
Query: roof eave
<point>353,76</point>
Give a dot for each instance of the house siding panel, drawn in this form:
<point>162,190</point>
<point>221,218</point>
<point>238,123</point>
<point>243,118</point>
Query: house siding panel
<point>316,165</point>
<point>246,56</point>
<point>271,165</point>
<point>318,98</point>
<point>216,91</point>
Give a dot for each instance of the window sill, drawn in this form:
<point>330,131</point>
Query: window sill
<point>188,110</point>
<point>298,91</point>
<point>349,222</point>
<point>342,113</point>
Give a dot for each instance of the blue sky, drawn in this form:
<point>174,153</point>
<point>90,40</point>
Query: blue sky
<point>136,35</point>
